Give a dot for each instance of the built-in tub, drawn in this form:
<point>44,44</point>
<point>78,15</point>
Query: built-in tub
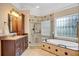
<point>63,43</point>
<point>64,46</point>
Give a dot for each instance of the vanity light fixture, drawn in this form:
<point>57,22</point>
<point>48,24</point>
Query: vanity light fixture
<point>14,13</point>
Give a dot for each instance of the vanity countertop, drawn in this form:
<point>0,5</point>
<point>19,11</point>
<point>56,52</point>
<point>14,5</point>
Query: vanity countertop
<point>4,35</point>
<point>12,37</point>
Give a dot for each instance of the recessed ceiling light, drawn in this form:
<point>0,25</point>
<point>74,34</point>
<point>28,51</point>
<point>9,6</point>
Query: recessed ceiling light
<point>37,7</point>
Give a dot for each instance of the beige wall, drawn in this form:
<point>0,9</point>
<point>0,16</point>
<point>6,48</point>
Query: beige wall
<point>67,12</point>
<point>4,10</point>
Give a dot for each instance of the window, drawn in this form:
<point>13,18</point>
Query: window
<point>45,28</point>
<point>67,26</point>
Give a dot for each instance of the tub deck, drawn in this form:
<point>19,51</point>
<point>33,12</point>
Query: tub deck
<point>61,47</point>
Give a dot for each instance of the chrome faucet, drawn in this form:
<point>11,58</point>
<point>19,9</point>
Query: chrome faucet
<point>45,40</point>
<point>53,35</point>
<point>62,45</point>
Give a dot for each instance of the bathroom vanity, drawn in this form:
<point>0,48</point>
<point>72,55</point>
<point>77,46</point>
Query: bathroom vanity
<point>14,46</point>
<point>61,48</point>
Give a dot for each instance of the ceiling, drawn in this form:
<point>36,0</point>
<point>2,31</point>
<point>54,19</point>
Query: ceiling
<point>40,9</point>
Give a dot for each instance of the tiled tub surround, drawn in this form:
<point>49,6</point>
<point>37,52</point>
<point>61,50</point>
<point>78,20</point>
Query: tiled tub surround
<point>61,47</point>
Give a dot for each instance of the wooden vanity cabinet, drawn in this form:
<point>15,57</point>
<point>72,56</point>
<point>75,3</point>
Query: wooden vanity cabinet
<point>14,47</point>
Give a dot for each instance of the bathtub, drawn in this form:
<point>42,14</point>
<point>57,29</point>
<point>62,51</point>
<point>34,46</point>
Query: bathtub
<point>63,43</point>
<point>61,47</point>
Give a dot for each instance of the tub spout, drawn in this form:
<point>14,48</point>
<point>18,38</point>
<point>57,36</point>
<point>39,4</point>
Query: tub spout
<point>45,40</point>
<point>62,45</point>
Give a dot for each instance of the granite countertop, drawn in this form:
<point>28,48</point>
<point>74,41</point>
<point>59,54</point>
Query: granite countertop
<point>11,37</point>
<point>2,36</point>
<point>9,34</point>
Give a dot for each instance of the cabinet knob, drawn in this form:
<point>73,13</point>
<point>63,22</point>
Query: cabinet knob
<point>56,50</point>
<point>49,47</point>
<point>66,53</point>
<point>43,45</point>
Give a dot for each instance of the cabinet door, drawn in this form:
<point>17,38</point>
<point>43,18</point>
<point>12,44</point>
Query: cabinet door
<point>26,42</point>
<point>17,49</point>
<point>7,48</point>
<point>22,46</point>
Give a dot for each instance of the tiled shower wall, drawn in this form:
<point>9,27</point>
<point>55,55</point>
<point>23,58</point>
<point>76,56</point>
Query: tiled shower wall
<point>35,24</point>
<point>34,29</point>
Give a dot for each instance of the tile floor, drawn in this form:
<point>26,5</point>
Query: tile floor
<point>36,52</point>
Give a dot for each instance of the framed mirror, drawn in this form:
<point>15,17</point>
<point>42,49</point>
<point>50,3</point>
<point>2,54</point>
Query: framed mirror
<point>10,23</point>
<point>13,16</point>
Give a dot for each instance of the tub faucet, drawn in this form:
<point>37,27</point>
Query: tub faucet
<point>62,45</point>
<point>53,35</point>
<point>45,40</point>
